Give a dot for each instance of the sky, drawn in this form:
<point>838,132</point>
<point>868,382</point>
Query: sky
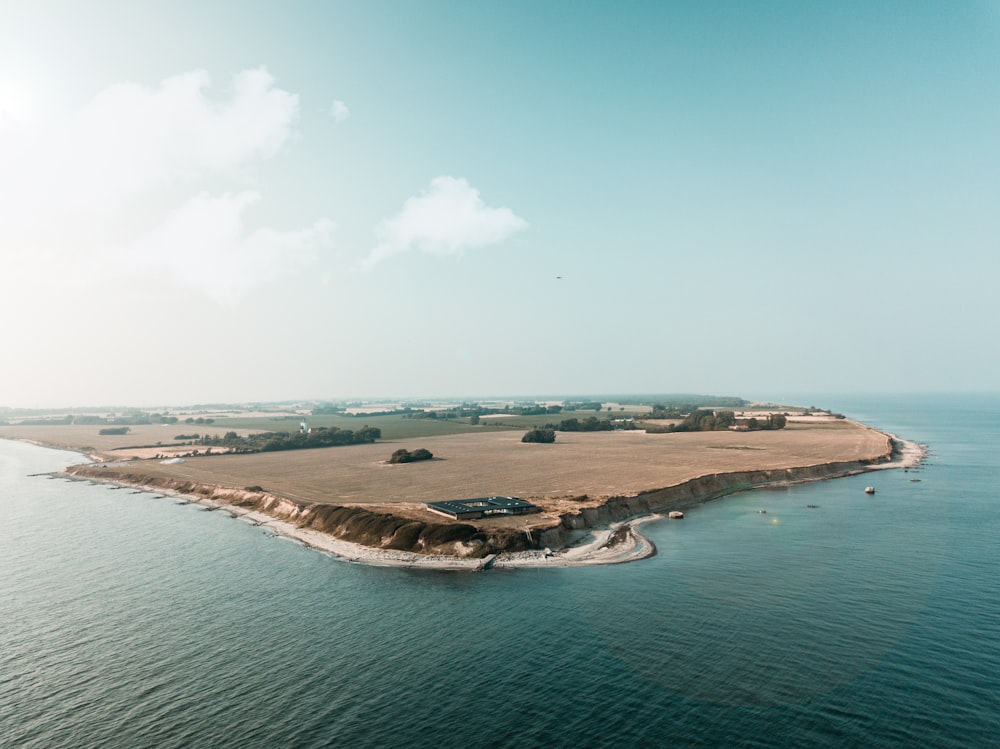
<point>259,201</point>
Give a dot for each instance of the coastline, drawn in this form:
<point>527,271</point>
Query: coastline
<point>593,548</point>
<point>602,538</point>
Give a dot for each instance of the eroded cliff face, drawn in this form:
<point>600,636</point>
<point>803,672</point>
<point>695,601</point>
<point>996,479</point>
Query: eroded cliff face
<point>383,530</point>
<point>694,492</point>
<point>358,525</point>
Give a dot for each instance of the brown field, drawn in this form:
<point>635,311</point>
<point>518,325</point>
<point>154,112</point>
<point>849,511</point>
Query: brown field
<point>86,437</point>
<point>598,465</point>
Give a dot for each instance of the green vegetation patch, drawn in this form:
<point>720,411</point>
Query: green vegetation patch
<point>402,455</point>
<point>272,441</point>
<point>114,430</point>
<point>539,435</point>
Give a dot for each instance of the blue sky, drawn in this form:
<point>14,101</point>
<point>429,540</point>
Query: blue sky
<point>254,201</point>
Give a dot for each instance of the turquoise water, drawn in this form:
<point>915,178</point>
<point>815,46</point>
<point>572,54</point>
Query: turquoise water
<point>128,620</point>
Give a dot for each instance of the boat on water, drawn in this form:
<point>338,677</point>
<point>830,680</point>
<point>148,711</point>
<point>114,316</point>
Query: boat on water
<point>676,515</point>
<point>869,490</point>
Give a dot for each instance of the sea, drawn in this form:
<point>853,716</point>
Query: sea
<point>832,619</point>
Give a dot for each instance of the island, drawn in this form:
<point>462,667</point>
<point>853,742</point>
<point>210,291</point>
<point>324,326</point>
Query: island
<point>576,499</point>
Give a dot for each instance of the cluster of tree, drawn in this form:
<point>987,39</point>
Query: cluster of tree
<point>583,406</point>
<point>674,400</point>
<point>820,411</point>
<point>534,410</point>
<point>199,420</point>
<point>114,430</point>
<point>402,455</point>
<point>474,411</point>
<point>388,412</point>
<point>590,424</point>
<point>773,421</point>
<point>710,421</point>
<point>194,436</point>
<point>156,418</point>
<point>706,421</point>
<point>660,411</point>
<point>271,441</point>
<point>411,414</point>
<point>680,410</point>
<point>133,418</point>
<point>51,421</point>
<point>539,435</point>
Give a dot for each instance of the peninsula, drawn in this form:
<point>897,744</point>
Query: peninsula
<point>591,488</point>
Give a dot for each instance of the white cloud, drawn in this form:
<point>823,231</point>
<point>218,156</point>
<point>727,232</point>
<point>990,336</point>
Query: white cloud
<point>448,218</point>
<point>204,245</point>
<point>130,139</point>
<point>71,191</point>
<point>17,101</point>
<point>339,111</point>
<point>142,137</point>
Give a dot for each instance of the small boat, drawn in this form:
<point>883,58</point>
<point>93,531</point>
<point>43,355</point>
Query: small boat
<point>676,515</point>
<point>869,490</point>
<point>761,511</point>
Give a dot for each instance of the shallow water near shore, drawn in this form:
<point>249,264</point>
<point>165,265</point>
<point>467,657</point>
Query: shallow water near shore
<point>129,620</point>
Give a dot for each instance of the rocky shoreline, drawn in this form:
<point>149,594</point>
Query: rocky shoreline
<point>604,534</point>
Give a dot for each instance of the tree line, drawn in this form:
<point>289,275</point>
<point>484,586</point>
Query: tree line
<point>272,441</point>
<point>700,420</point>
<point>711,421</point>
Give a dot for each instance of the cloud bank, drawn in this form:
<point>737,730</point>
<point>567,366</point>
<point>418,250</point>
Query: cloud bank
<point>205,245</point>
<point>339,111</point>
<point>76,194</point>
<point>448,218</point>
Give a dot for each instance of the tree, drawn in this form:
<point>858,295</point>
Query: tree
<point>539,435</point>
<point>402,455</point>
<point>114,430</point>
<point>725,419</point>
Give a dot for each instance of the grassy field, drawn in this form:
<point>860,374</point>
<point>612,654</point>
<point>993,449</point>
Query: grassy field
<point>393,426</point>
<point>84,437</point>
<point>148,440</point>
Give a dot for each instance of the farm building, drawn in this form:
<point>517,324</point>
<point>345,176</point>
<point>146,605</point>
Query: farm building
<point>471,509</point>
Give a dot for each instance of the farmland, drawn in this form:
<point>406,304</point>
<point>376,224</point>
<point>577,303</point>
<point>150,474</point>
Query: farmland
<point>150,440</point>
<point>594,465</point>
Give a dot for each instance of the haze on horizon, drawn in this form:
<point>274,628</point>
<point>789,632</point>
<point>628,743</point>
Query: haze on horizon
<point>247,202</point>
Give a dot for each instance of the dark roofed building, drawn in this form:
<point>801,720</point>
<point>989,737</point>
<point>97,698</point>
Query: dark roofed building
<point>471,509</point>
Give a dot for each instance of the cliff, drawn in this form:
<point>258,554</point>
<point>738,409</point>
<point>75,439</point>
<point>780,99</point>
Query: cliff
<point>384,530</point>
<point>379,530</point>
<point>698,491</point>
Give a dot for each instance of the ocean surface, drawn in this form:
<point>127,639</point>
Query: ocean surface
<point>128,620</point>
